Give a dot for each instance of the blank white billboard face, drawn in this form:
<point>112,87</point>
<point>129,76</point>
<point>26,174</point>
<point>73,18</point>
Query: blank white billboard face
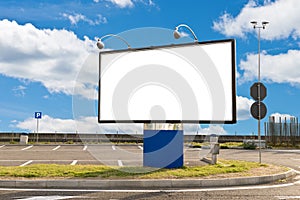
<point>190,83</point>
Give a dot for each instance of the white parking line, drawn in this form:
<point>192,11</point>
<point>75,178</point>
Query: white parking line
<point>120,163</point>
<point>50,197</point>
<point>113,147</point>
<point>74,162</point>
<point>140,147</point>
<point>84,148</point>
<point>54,149</point>
<point>2,146</point>
<point>150,190</point>
<point>287,197</point>
<point>27,147</point>
<point>26,163</point>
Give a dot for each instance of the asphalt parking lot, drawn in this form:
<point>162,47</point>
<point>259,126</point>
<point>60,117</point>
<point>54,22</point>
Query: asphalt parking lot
<point>127,155</point>
<point>108,154</point>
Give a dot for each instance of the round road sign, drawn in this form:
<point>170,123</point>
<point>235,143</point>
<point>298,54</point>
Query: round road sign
<point>258,86</point>
<point>254,110</point>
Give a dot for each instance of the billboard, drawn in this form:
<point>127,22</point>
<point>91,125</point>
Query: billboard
<point>183,83</point>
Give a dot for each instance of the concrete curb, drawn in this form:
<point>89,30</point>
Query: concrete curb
<point>144,183</point>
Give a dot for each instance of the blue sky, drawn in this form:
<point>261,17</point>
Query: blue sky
<point>47,48</point>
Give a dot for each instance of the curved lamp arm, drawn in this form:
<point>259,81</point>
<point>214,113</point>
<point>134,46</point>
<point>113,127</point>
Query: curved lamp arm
<point>100,44</point>
<point>178,35</point>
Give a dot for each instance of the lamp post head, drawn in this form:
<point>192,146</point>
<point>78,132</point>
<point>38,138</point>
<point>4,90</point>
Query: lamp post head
<point>176,33</point>
<point>264,23</point>
<point>254,23</point>
<point>100,44</point>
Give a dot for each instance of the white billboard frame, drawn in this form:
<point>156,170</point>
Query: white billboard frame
<point>227,91</point>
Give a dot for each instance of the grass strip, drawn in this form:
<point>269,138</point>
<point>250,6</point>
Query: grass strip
<point>107,172</point>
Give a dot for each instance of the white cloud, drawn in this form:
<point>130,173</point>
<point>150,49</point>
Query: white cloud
<point>213,129</point>
<point>243,107</point>
<point>122,3</point>
<point>74,19</point>
<point>87,124</point>
<point>77,17</point>
<point>51,57</point>
<point>194,129</point>
<point>129,3</point>
<point>47,124</point>
<point>283,16</point>
<point>277,116</point>
<point>90,124</point>
<point>281,68</point>
<point>19,91</point>
<point>151,3</point>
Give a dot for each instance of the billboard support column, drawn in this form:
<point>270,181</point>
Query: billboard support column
<point>163,145</point>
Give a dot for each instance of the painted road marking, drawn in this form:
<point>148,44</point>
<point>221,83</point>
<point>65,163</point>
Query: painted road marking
<point>120,163</point>
<point>48,197</point>
<point>150,190</point>
<point>67,161</point>
<point>27,147</point>
<point>84,148</point>
<point>141,147</point>
<point>2,146</point>
<point>288,197</point>
<point>74,162</point>
<point>53,160</point>
<point>26,163</point>
<point>113,147</point>
<point>56,148</point>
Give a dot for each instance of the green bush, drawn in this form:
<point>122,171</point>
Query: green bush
<point>70,142</point>
<point>249,146</point>
<point>224,147</point>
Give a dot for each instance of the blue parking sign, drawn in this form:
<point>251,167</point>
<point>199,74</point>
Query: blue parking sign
<point>38,115</point>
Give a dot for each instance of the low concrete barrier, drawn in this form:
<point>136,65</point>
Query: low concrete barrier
<point>102,138</point>
<point>145,183</point>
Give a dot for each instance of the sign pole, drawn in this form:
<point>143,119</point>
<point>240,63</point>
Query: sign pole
<point>261,91</point>
<point>258,126</point>
<point>37,130</point>
<point>37,116</point>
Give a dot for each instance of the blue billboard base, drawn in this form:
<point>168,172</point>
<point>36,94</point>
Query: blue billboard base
<point>163,148</point>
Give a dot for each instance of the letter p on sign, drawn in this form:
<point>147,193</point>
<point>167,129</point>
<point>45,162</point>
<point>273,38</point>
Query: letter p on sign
<point>38,115</point>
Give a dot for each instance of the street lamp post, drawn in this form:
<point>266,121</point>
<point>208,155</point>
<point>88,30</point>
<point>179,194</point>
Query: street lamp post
<point>259,27</point>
